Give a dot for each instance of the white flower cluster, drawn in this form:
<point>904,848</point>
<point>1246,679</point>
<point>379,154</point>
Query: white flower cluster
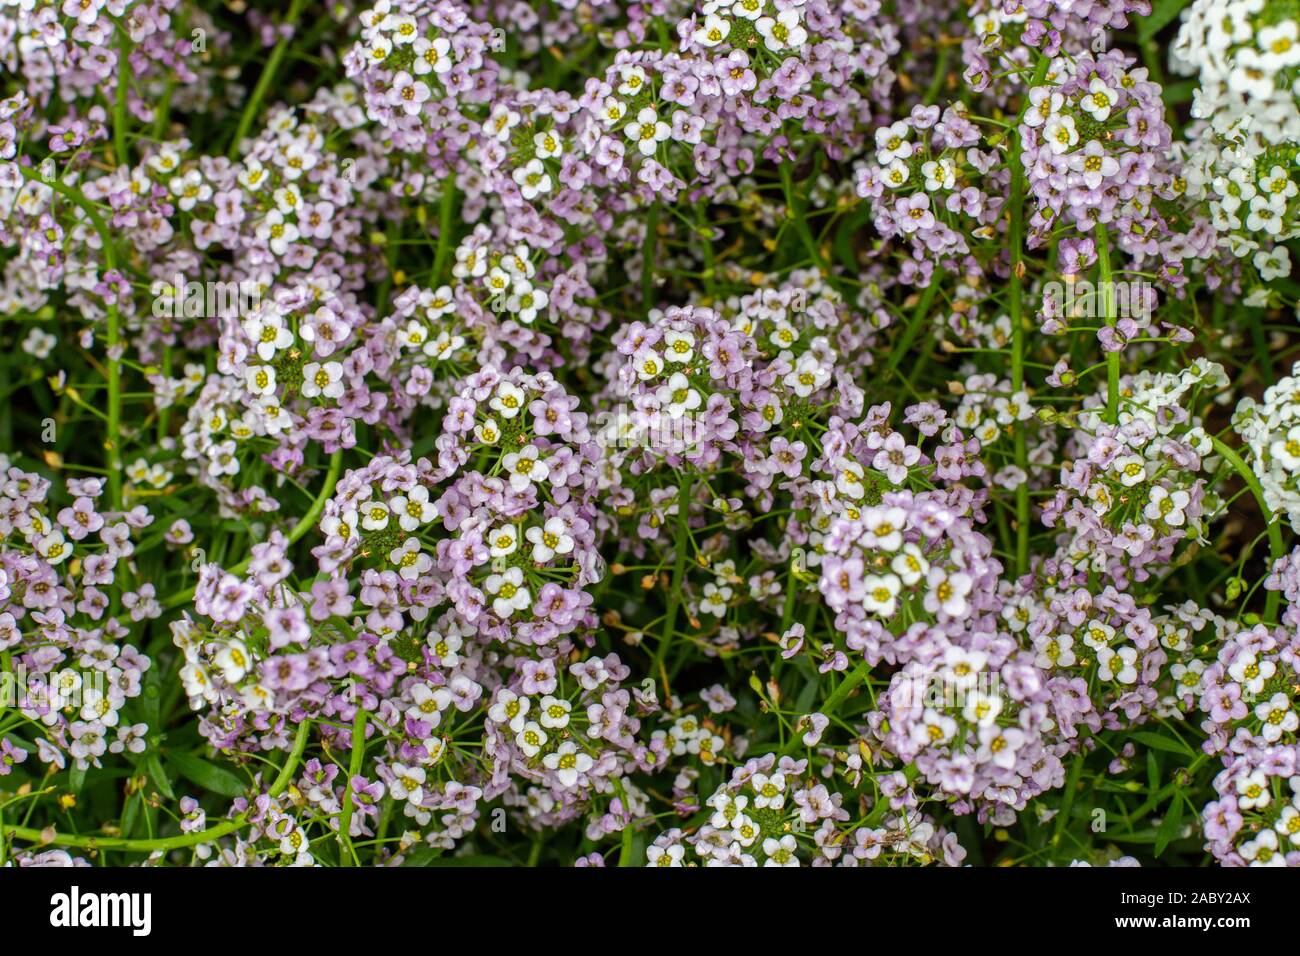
<point>1242,155</point>
<point>1272,429</point>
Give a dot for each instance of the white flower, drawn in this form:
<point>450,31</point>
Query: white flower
<point>414,509</point>
<point>647,131</point>
<point>531,738</point>
<point>408,783</point>
<point>665,856</point>
<point>1288,824</point>
<point>1278,717</point>
<point>554,712</point>
<point>189,188</point>
<point>715,599</point>
<point>1252,791</point>
<point>260,379</point>
<point>374,515</point>
<point>909,564</point>
<point>713,32</point>
<point>744,830</point>
<point>510,709</point>
<point>895,174</point>
<point>679,347</point>
<point>941,174</point>
<point>533,179</point>
<point>677,396</point>
<point>808,376</point>
<point>509,592</point>
<point>526,302</point>
<point>38,343</point>
<point>233,660</point>
<point>934,728</point>
<point>947,592</point>
<point>881,593</point>
<point>648,365</point>
<point>428,705</point>
<point>1167,506</point>
<point>410,561</point>
<point>1131,468</point>
<point>612,110</point>
<point>1098,635</point>
<point>500,123</point>
<point>252,175</point>
<point>267,332</point>
<point>1117,665</point>
<point>508,400</point>
<point>549,540</point>
<point>961,667</point>
<point>503,541</point>
<point>525,467</point>
<point>1265,216</point>
<point>1099,101</point>
<point>1273,263</point>
<point>634,79</point>
<point>782,32</point>
<point>780,852</point>
<point>548,144</point>
<point>53,547</point>
<point>1060,134</point>
<point>883,527</point>
<point>1280,46</point>
<point>1286,451</point>
<point>1263,850</point>
<point>1093,164</point>
<point>982,709</point>
<point>1250,673</point>
<point>325,380</point>
<point>769,790</point>
<point>431,56</point>
<point>891,143</point>
<point>276,232</point>
<point>567,762</point>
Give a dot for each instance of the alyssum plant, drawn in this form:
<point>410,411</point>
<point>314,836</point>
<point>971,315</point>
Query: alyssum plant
<point>769,432</point>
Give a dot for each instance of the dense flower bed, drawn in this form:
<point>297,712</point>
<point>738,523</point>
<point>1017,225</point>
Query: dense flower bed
<point>769,432</point>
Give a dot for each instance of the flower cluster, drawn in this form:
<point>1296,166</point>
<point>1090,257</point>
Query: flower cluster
<point>726,433</point>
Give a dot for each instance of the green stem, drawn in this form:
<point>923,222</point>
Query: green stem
<point>852,680</point>
<point>648,258</point>
<point>445,209</point>
<point>1276,547</point>
<point>354,768</point>
<point>1015,235</point>
<point>680,545</point>
<point>112,363</point>
<point>264,81</point>
<point>165,844</point>
<point>913,327</point>
<point>1108,313</point>
<point>119,104</point>
<point>305,524</point>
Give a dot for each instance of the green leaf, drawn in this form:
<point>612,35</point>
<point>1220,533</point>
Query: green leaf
<point>159,776</point>
<point>207,775</point>
<point>1161,742</point>
<point>1170,825</point>
<point>1162,12</point>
